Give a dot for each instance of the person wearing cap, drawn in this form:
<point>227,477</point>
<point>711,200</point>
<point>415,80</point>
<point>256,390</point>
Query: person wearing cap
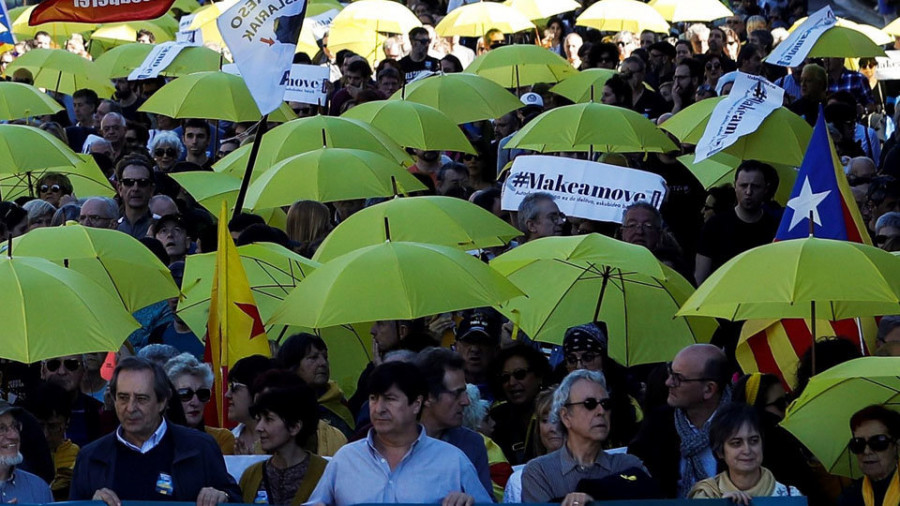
<point>477,342</point>
<point>171,231</point>
<point>17,485</point>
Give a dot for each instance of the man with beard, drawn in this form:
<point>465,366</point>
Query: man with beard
<point>127,97</point>
<point>687,77</point>
<point>18,486</point>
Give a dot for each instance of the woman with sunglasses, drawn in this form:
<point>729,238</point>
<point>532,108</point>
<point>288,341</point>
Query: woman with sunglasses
<point>166,148</point>
<point>193,387</point>
<point>52,187</point>
<point>875,429</point>
<point>714,70</point>
<point>737,444</point>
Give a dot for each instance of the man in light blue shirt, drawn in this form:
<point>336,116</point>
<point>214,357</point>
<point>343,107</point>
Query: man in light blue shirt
<point>398,462</point>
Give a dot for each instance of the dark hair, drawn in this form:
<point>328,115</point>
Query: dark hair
<point>728,420</point>
<point>878,413</point>
<point>289,398</point>
<point>486,198</point>
<point>765,39</point>
<point>197,123</point>
<point>599,49</point>
<point>11,214</point>
<point>62,180</point>
<point>247,369</point>
<point>829,353</point>
<point>242,221</point>
<point>434,362</point>
<point>747,52</point>
<point>387,72</point>
<point>150,35</point>
<point>755,166</point>
<point>342,55</point>
<point>766,381</point>
<point>405,376</point>
<point>453,61</point>
<point>723,196</point>
<point>360,66</point>
<point>138,160</point>
<point>296,347</point>
<point>161,385</point>
<point>89,96</point>
<point>142,133</point>
<point>418,30</point>
<point>680,42</point>
<point>537,363</point>
<point>156,247</point>
<point>263,233</point>
<point>694,66</point>
<point>621,89</point>
<point>49,399</point>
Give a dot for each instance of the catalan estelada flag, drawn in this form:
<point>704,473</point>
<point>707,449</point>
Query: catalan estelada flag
<point>775,346</point>
<point>234,329</point>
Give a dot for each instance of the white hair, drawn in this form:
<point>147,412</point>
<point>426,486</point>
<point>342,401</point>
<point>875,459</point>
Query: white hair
<point>561,395</point>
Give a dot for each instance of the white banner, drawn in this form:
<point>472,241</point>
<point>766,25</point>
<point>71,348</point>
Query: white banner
<point>751,101</point>
<point>792,51</point>
<point>161,56</point>
<point>888,69</point>
<point>184,34</point>
<point>321,23</point>
<point>590,190</point>
<point>305,84</point>
<point>262,36</point>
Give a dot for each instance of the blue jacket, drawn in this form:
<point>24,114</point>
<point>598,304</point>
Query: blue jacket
<point>198,463</point>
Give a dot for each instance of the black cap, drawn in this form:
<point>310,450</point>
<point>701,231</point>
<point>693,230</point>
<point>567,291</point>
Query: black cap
<point>482,324</point>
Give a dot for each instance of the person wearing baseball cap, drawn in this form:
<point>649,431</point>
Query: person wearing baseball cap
<point>477,342</point>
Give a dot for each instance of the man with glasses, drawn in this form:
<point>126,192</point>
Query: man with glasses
<point>418,60</point>
<point>642,225</point>
<point>442,412</point>
<point>644,101</point>
<point>688,76</point>
<point>674,440</point>
<point>134,181</point>
<point>539,216</point>
<point>147,458</point>
<point>17,485</point>
<point>112,127</point>
<point>99,212</point>
<point>67,372</point>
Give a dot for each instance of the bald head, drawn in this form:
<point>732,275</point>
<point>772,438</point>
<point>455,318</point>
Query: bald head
<point>697,378</point>
<point>163,205</point>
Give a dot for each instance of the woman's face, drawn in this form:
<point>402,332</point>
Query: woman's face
<point>608,97</point>
<point>239,401</point>
<point>520,384</point>
<point>743,450</point>
<point>43,221</point>
<point>553,31</point>
<point>165,156</point>
<point>188,384</point>
<point>551,437</point>
<point>876,464</point>
<point>273,432</point>
<point>590,360</point>
<point>50,191</point>
<point>314,368</point>
<point>713,70</point>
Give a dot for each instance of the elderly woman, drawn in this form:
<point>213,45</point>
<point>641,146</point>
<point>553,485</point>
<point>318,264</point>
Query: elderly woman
<point>545,438</point>
<point>875,430</point>
<point>193,386</point>
<point>166,149</point>
<point>40,213</point>
<point>581,409</point>
<point>736,441</point>
<point>52,187</point>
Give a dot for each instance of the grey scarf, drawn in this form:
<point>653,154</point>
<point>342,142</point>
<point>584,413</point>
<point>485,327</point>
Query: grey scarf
<point>693,444</point>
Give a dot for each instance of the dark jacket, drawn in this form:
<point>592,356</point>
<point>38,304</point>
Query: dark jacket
<point>659,447</point>
<point>198,463</point>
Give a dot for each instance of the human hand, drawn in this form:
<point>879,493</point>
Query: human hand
<point>576,499</point>
<point>738,496</point>
<point>210,497</point>
<point>458,499</point>
<point>376,354</point>
<point>441,324</point>
<point>108,496</point>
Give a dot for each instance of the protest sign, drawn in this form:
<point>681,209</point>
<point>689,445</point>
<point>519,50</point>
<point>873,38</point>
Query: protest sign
<point>321,23</point>
<point>888,69</point>
<point>185,34</point>
<point>158,59</point>
<point>98,11</point>
<point>590,190</point>
<point>306,84</point>
<point>797,45</point>
<point>751,101</point>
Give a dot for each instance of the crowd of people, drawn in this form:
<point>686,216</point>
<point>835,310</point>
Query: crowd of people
<point>455,408</point>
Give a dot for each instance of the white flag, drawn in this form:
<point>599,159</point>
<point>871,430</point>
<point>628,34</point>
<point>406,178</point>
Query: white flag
<point>262,36</point>
<point>797,45</point>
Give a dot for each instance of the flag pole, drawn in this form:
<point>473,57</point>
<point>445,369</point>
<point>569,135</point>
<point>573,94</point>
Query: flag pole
<point>812,306</point>
<point>254,151</point>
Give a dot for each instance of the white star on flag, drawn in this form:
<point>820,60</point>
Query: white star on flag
<point>804,203</point>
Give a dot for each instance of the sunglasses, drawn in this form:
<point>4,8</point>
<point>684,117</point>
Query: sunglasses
<point>54,188</point>
<point>186,394</point>
<point>591,404</point>
<point>170,152</point>
<point>422,41</point>
<point>70,364</point>
<point>142,183</point>
<point>880,239</point>
<point>518,375</point>
<point>878,443</point>
<point>584,358</point>
<point>469,157</point>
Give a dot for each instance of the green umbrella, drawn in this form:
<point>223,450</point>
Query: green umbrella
<point>62,71</point>
<point>585,86</point>
<point>521,65</point>
<point>120,61</point>
<point>430,219</point>
<point>412,125</point>
<point>19,100</point>
<point>209,189</point>
<point>820,417</point>
<point>85,175</point>
<point>393,281</point>
<point>463,97</point>
<point>720,169</point>
<point>26,150</point>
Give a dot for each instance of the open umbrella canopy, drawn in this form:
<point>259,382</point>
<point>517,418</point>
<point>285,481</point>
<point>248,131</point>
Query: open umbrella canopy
<point>378,16</point>
<point>209,189</point>
<point>784,279</point>
<point>62,71</point>
<point>521,65</point>
<point>116,261</point>
<point>591,127</point>
<point>212,95</point>
<point>585,86</point>
<point>25,149</point>
<point>719,169</point>
<point>42,303</point>
<point>19,100</point>
<point>820,417</point>
<point>475,19</point>
<point>618,15</point>
<point>86,177</point>
<point>678,11</point>
<point>393,281</point>
<point>878,36</point>
<point>359,38</point>
<point>844,42</point>
<point>120,61</point>
<point>329,175</point>
<point>446,221</point>
<point>412,125</point>
<point>543,9</point>
<point>465,98</point>
<point>110,35</point>
<point>59,31</point>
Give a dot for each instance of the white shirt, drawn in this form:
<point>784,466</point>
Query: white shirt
<point>150,443</point>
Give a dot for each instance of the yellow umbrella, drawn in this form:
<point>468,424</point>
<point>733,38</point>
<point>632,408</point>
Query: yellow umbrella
<point>878,36</point>
<point>86,177</point>
<point>205,21</point>
<point>209,189</point>
<point>521,65</point>
<point>474,20</point>
<point>19,100</point>
<point>584,86</point>
<point>58,31</point>
<point>542,9</point>
<point>121,60</point>
<point>379,16</point>
<point>111,35</point>
<point>413,125</point>
<point>893,28</point>
<point>618,15</point>
<point>307,41</point>
<point>463,97</point>
<point>62,71</point>
<point>357,38</point>
<point>677,11</point>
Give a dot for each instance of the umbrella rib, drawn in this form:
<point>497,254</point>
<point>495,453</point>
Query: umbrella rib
<point>557,304</point>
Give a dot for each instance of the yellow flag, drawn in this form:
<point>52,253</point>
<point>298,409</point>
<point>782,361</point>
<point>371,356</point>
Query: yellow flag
<point>234,329</point>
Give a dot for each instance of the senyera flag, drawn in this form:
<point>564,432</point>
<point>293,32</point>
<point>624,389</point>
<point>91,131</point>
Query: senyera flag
<point>821,191</point>
<point>98,11</point>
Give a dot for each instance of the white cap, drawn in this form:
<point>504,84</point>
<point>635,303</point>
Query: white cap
<point>532,99</point>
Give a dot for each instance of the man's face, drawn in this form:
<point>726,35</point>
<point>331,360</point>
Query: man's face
<point>64,371</point>
<point>811,86</point>
<point>607,61</point>
<point>682,51</point>
<point>590,424</point>
<point>388,86</point>
<point>42,42</point>
<point>683,82</point>
<point>226,149</point>
<point>9,437</point>
<point>503,126</point>
<point>446,410</point>
<point>420,45</point>
<point>572,45</point>
<point>144,39</point>
<point>834,65</point>
<point>750,190</point>
<point>136,187</point>
<point>716,41</point>
<point>736,24</point>
<point>196,140</point>
<point>685,388</point>
<point>94,214</point>
<point>354,79</point>
<point>101,112</point>
<point>477,354</point>
<point>452,181</point>
<point>137,407</point>
<point>548,221</point>
<point>657,59</point>
<point>148,88</point>
<point>113,129</point>
<point>123,88</point>
<point>632,73</point>
<point>175,239</point>
<point>700,41</point>
<point>647,40</point>
<point>753,65</point>
<point>392,412</point>
<point>84,110</point>
<point>132,140</point>
<point>386,334</point>
<point>640,227</point>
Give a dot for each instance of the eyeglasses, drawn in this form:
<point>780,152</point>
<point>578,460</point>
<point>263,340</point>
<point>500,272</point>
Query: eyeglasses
<point>13,427</point>
<point>584,358</point>
<point>713,66</point>
<point>46,189</point>
<point>234,386</point>
<point>171,231</point>
<point>518,375</point>
<point>591,404</point>
<point>780,403</point>
<point>855,180</point>
<point>186,394</point>
<point>469,157</point>
<point>142,183</point>
<point>646,227</point>
<point>678,378</point>
<point>170,152</point>
<point>70,364</point>
<point>880,239</point>
<point>92,218</point>
<point>422,41</point>
<point>877,443</point>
